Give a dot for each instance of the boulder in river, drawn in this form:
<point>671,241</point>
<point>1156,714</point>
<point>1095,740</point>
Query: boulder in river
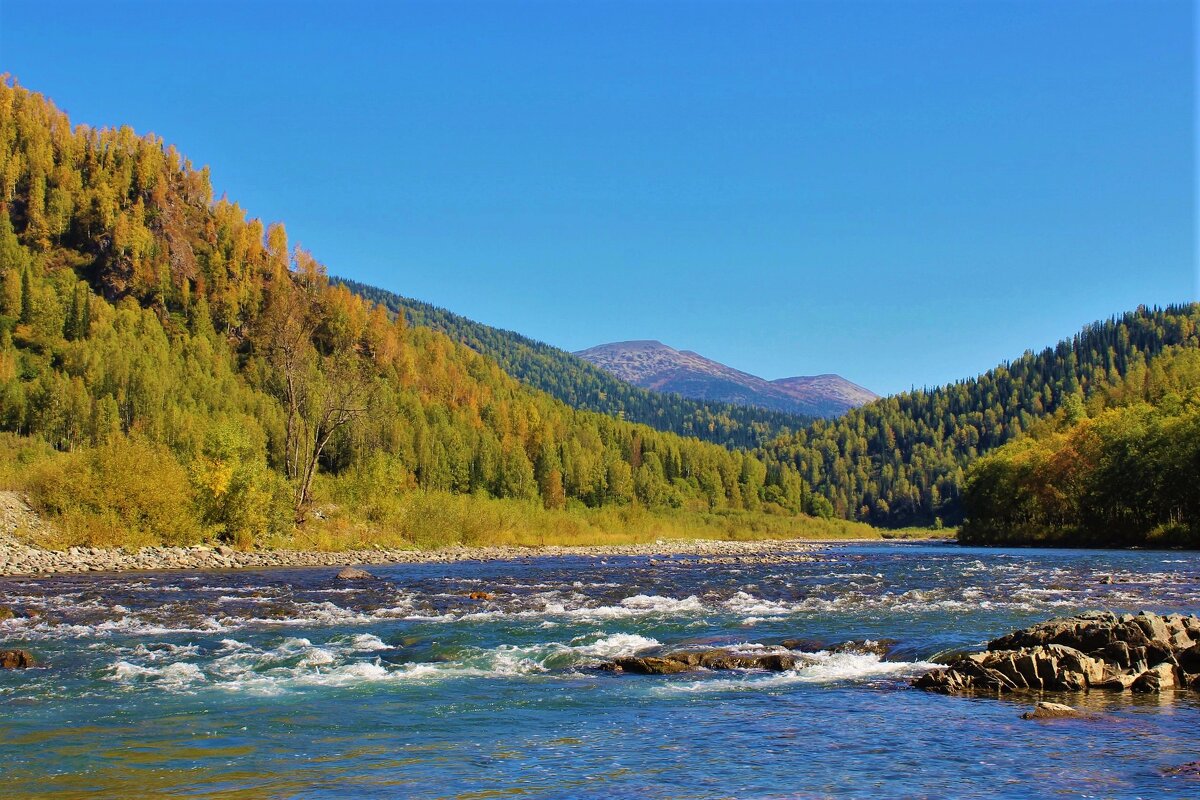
<point>16,659</point>
<point>1096,650</point>
<point>867,647</point>
<point>1046,710</point>
<point>647,665</point>
<point>354,574</point>
<point>717,658</point>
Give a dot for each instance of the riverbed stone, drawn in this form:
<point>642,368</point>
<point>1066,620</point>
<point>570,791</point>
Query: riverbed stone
<point>354,574</point>
<point>16,659</point>
<point>17,558</point>
<point>1047,710</point>
<point>867,647</point>
<point>1116,682</point>
<point>1096,650</point>
<point>648,665</point>
<point>716,658</point>
<point>1158,678</point>
<point>1188,770</point>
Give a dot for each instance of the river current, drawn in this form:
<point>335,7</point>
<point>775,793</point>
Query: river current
<point>290,683</point>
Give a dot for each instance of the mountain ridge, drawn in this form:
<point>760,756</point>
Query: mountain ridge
<point>581,384</point>
<point>650,364</point>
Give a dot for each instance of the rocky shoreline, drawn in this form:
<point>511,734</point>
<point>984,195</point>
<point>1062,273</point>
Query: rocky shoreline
<point>1098,650</point>
<point>17,558</point>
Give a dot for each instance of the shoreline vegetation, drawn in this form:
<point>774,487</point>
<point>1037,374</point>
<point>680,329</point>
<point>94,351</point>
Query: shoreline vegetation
<point>1119,470</point>
<point>30,545</point>
<point>174,371</point>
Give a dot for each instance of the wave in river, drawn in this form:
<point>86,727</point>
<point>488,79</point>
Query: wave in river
<point>297,662</point>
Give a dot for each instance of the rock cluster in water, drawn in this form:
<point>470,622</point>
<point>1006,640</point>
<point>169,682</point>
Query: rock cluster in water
<point>717,658</point>
<point>722,658</point>
<point>1097,650</point>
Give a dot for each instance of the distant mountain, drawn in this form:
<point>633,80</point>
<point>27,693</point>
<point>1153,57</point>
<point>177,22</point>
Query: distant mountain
<point>833,389</point>
<point>656,366</point>
<point>583,385</point>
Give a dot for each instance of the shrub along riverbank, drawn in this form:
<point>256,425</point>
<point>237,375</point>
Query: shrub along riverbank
<point>132,493</point>
<point>1121,470</point>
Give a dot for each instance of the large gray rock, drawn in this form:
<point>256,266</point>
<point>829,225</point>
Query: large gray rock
<point>1097,650</point>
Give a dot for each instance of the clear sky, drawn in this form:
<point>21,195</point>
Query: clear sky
<point>905,193</point>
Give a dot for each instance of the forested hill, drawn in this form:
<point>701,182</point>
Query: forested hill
<point>581,384</point>
<point>186,359</point>
<point>1122,469</point>
<point>901,460</point>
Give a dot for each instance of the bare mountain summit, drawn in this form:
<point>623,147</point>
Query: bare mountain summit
<point>656,366</point>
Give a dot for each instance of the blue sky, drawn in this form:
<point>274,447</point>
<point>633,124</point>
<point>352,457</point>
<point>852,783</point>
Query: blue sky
<point>905,193</point>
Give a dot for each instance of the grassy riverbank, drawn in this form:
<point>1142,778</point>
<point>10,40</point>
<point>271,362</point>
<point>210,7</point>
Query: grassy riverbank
<point>131,498</point>
<point>431,520</point>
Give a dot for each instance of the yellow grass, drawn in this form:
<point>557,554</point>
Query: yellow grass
<point>83,505</point>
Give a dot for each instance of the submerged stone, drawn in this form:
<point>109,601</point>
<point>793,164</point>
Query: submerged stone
<point>1045,710</point>
<point>1189,770</point>
<point>354,574</point>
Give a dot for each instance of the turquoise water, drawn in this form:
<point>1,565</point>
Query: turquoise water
<point>288,683</point>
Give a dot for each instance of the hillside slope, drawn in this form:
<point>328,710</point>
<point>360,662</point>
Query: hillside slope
<point>581,384</point>
<point>1121,470</point>
<point>834,392</point>
<point>901,460</point>
<point>653,365</point>
<point>171,366</point>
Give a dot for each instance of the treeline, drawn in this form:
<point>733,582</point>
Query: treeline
<point>581,384</point>
<point>1121,470</point>
<point>144,324</point>
<point>902,460</point>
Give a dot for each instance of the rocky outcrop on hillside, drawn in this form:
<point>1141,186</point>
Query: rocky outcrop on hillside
<point>1098,650</point>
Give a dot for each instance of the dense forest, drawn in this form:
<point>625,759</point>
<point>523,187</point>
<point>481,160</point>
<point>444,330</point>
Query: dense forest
<point>581,384</point>
<point>896,462</point>
<point>182,355</point>
<point>151,331</point>
<point>901,460</point>
<point>1121,469</point>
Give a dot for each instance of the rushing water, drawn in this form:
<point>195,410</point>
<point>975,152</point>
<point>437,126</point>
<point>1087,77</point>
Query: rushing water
<point>289,683</point>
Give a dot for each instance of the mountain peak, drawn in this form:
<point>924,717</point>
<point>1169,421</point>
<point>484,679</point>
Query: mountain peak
<point>650,364</point>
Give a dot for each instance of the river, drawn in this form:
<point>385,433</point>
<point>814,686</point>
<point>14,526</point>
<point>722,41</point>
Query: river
<point>290,683</point>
